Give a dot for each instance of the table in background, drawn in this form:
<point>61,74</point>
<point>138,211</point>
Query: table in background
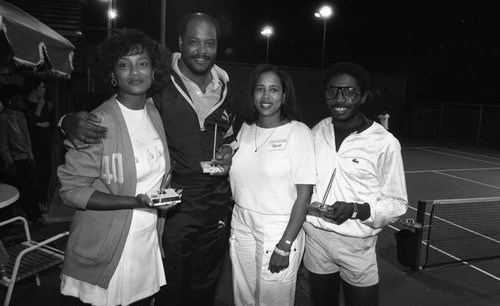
<point>8,195</point>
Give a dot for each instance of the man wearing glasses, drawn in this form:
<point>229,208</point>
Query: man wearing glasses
<point>360,188</point>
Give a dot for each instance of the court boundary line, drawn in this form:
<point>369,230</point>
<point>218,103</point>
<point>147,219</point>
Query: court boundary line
<point>451,170</point>
<point>459,156</point>
<point>468,180</point>
<point>467,230</point>
<point>463,261</point>
<point>452,150</point>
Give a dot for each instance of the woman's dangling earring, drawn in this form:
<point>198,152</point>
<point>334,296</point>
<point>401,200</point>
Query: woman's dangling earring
<point>113,81</point>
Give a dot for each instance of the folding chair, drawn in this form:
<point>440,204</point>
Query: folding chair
<point>28,258</point>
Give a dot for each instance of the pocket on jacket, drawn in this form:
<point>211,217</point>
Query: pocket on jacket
<point>94,241</point>
<point>285,276</point>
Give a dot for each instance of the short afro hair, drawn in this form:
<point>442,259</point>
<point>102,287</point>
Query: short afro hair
<point>352,69</point>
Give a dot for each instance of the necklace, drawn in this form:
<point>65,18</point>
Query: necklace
<point>258,147</point>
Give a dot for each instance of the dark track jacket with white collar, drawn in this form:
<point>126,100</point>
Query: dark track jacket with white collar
<point>188,144</point>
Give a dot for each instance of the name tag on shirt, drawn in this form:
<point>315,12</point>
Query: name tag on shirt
<point>277,144</point>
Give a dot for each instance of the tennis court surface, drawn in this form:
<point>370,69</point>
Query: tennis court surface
<point>437,173</point>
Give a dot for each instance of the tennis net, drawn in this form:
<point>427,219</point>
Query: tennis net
<point>457,230</point>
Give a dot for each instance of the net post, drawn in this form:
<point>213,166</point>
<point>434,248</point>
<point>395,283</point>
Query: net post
<point>479,125</point>
<point>419,232</point>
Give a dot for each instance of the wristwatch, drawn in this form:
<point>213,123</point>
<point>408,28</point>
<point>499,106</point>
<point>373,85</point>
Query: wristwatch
<point>60,131</point>
<point>354,210</point>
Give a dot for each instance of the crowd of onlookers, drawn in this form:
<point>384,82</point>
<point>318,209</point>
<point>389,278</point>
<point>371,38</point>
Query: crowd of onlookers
<point>26,129</point>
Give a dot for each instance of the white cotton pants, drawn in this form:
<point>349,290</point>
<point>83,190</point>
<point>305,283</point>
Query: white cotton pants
<point>253,239</point>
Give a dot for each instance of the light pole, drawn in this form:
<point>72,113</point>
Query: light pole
<point>267,31</point>
<point>112,14</point>
<point>324,13</point>
<point>163,23</point>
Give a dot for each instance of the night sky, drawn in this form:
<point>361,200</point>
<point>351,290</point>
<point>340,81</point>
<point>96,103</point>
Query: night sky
<point>446,46</point>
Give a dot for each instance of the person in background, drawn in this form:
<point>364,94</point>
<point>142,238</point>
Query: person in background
<point>198,114</point>
<point>113,253</point>
<point>16,151</point>
<point>41,122</point>
<point>272,178</point>
<point>361,183</point>
<point>5,76</point>
<point>384,119</point>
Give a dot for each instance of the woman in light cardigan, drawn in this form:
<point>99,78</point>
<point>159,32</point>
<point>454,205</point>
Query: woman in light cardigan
<point>113,255</point>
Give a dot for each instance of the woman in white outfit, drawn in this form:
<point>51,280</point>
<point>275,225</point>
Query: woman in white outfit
<point>271,177</point>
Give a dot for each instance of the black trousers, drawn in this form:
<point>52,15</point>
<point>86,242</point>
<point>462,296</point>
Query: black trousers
<point>43,160</point>
<point>26,181</point>
<point>192,266</point>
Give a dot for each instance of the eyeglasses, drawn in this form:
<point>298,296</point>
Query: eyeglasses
<point>349,93</point>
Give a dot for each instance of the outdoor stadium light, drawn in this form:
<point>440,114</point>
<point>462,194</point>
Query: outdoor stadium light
<point>112,14</point>
<point>324,13</point>
<point>267,31</point>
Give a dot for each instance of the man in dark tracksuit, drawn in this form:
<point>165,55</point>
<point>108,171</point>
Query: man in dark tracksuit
<point>195,230</point>
<point>194,105</point>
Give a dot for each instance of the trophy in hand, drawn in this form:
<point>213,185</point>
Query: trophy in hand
<point>165,196</point>
<point>209,166</point>
<point>318,209</point>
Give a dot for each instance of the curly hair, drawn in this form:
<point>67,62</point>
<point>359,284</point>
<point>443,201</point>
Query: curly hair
<point>289,108</point>
<point>132,42</point>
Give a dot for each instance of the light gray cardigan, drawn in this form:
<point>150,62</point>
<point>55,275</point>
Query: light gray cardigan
<point>97,238</point>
